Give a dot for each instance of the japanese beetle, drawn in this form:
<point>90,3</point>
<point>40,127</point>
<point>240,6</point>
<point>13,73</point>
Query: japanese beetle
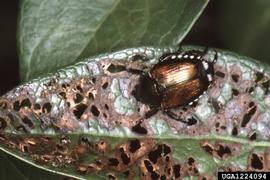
<point>178,80</point>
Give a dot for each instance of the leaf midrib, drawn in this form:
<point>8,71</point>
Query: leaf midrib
<point>93,33</point>
<point>262,143</point>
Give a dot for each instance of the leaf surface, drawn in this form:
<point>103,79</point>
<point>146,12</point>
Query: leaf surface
<point>53,34</point>
<point>80,121</point>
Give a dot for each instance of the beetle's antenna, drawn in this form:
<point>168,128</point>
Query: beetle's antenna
<point>180,49</point>
<point>215,57</point>
<point>205,50</point>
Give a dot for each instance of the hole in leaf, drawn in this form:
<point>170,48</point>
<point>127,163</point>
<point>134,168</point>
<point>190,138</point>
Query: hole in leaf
<point>78,98</point>
<point>95,111</point>
<point>116,68</point>
<point>154,175</point>
<point>176,170</point>
<point>256,162</point>
<point>251,104</point>
<point>94,80</point>
<point>91,96</point>
<point>113,162</point>
<point>21,128</point>
<point>234,131</point>
<point>46,107</point>
<point>208,148</point>
<point>16,105</point>
<point>235,92</point>
<point>250,90</point>
<point>235,78</point>
<point>106,106</point>
<point>220,74</point>
<point>248,116</point>
<point>105,85</point>
<point>37,107</point>
<point>191,121</point>
<point>125,158</point>
<point>126,173</point>
<point>134,145</point>
<point>139,129</point>
<point>80,108</point>
<point>259,76</point>
<point>191,161</point>
<point>163,177</point>
<point>27,121</point>
<point>79,88</point>
<point>148,166</point>
<point>223,150</point>
<point>253,136</point>
<point>26,103</point>
<point>65,86</point>
<point>63,95</point>
<point>111,177</point>
<point>154,155</point>
<point>166,149</point>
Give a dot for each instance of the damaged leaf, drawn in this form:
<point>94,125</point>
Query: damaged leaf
<point>53,34</point>
<point>84,121</point>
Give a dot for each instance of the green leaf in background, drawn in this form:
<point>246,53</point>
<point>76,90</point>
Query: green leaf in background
<point>16,169</point>
<point>53,34</point>
<point>40,121</point>
<point>244,26</point>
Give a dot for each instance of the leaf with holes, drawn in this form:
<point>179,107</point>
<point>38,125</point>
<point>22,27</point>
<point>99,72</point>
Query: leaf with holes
<point>85,122</point>
<point>53,34</point>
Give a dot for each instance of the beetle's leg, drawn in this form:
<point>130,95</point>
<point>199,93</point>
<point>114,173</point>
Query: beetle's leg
<point>135,58</point>
<point>174,116</point>
<point>134,71</point>
<point>151,112</point>
<point>138,127</point>
<point>177,52</point>
<point>215,57</point>
<point>180,49</point>
<point>205,50</point>
<point>162,58</point>
<point>117,68</point>
<point>138,57</point>
<point>215,104</point>
<point>191,121</point>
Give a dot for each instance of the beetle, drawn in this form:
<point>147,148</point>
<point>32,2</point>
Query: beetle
<point>178,80</point>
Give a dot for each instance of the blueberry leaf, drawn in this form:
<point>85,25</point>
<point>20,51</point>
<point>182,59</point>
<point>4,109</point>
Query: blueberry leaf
<point>79,121</point>
<point>15,168</point>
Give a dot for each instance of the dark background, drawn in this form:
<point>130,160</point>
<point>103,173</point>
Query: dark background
<point>204,33</point>
<point>9,67</point>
